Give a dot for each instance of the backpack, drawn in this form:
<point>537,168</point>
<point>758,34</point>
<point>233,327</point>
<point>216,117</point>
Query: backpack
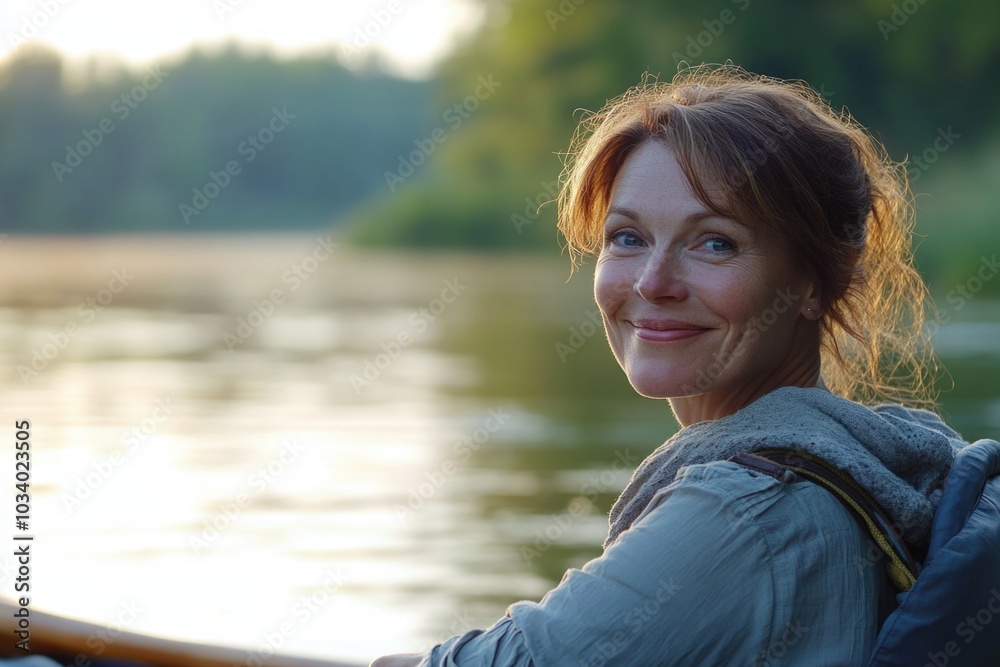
<point>948,607</point>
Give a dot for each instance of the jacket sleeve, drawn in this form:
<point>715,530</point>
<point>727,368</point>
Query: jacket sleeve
<point>694,581</point>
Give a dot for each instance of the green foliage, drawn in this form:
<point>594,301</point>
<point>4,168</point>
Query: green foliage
<point>151,140</point>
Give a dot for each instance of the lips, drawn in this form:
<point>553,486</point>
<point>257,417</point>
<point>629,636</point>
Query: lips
<point>664,330</point>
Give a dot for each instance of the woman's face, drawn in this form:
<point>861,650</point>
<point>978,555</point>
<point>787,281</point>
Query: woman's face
<point>693,303</point>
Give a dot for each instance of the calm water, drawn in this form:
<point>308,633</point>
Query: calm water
<point>264,441</point>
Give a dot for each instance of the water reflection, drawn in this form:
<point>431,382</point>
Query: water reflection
<point>393,452</point>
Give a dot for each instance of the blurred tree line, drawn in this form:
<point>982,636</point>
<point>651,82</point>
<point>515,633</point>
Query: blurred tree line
<point>126,151</point>
<point>467,158</point>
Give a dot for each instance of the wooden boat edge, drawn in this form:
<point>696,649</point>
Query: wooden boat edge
<point>65,639</point>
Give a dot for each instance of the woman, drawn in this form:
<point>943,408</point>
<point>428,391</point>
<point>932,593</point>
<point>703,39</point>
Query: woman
<point>753,269</point>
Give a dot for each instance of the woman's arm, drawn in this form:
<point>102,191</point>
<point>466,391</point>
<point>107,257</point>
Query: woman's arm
<point>725,567</point>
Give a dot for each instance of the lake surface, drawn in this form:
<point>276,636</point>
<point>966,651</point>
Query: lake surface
<point>274,442</point>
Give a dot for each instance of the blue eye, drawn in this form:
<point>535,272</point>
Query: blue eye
<point>624,237</point>
<point>719,244</point>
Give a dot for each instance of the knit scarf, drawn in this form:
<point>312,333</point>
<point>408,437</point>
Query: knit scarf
<point>899,455</point>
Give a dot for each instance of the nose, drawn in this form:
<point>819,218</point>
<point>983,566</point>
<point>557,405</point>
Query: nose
<point>661,280</point>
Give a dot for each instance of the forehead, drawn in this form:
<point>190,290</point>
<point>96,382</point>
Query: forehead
<point>652,186</point>
<point>652,183</point>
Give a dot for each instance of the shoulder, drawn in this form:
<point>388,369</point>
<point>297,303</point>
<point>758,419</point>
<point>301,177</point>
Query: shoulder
<point>723,500</point>
<point>791,547</point>
<point>725,567</point>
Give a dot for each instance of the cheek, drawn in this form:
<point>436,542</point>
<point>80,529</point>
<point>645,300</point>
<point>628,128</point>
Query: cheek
<point>730,296</point>
<point>738,293</point>
<point>764,310</point>
<point>611,288</point>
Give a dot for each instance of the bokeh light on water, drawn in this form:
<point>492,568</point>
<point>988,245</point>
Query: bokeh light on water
<point>393,451</point>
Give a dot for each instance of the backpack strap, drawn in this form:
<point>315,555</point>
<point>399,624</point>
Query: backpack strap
<point>902,566</point>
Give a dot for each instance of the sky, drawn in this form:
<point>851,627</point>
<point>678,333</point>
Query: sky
<point>412,34</point>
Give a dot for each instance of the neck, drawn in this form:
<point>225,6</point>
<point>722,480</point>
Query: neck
<point>718,404</point>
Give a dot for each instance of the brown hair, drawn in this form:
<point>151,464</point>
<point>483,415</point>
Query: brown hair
<point>789,162</point>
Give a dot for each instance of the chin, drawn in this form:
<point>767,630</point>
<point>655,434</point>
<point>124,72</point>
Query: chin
<point>664,383</point>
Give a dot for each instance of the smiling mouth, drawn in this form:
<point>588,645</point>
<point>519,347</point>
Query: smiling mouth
<point>665,331</point>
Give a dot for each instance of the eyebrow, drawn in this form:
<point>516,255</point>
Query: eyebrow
<point>697,216</point>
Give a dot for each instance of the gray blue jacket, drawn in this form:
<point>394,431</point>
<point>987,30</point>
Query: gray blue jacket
<point>709,563</point>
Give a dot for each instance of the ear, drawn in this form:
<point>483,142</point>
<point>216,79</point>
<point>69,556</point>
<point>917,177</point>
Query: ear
<point>811,308</point>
